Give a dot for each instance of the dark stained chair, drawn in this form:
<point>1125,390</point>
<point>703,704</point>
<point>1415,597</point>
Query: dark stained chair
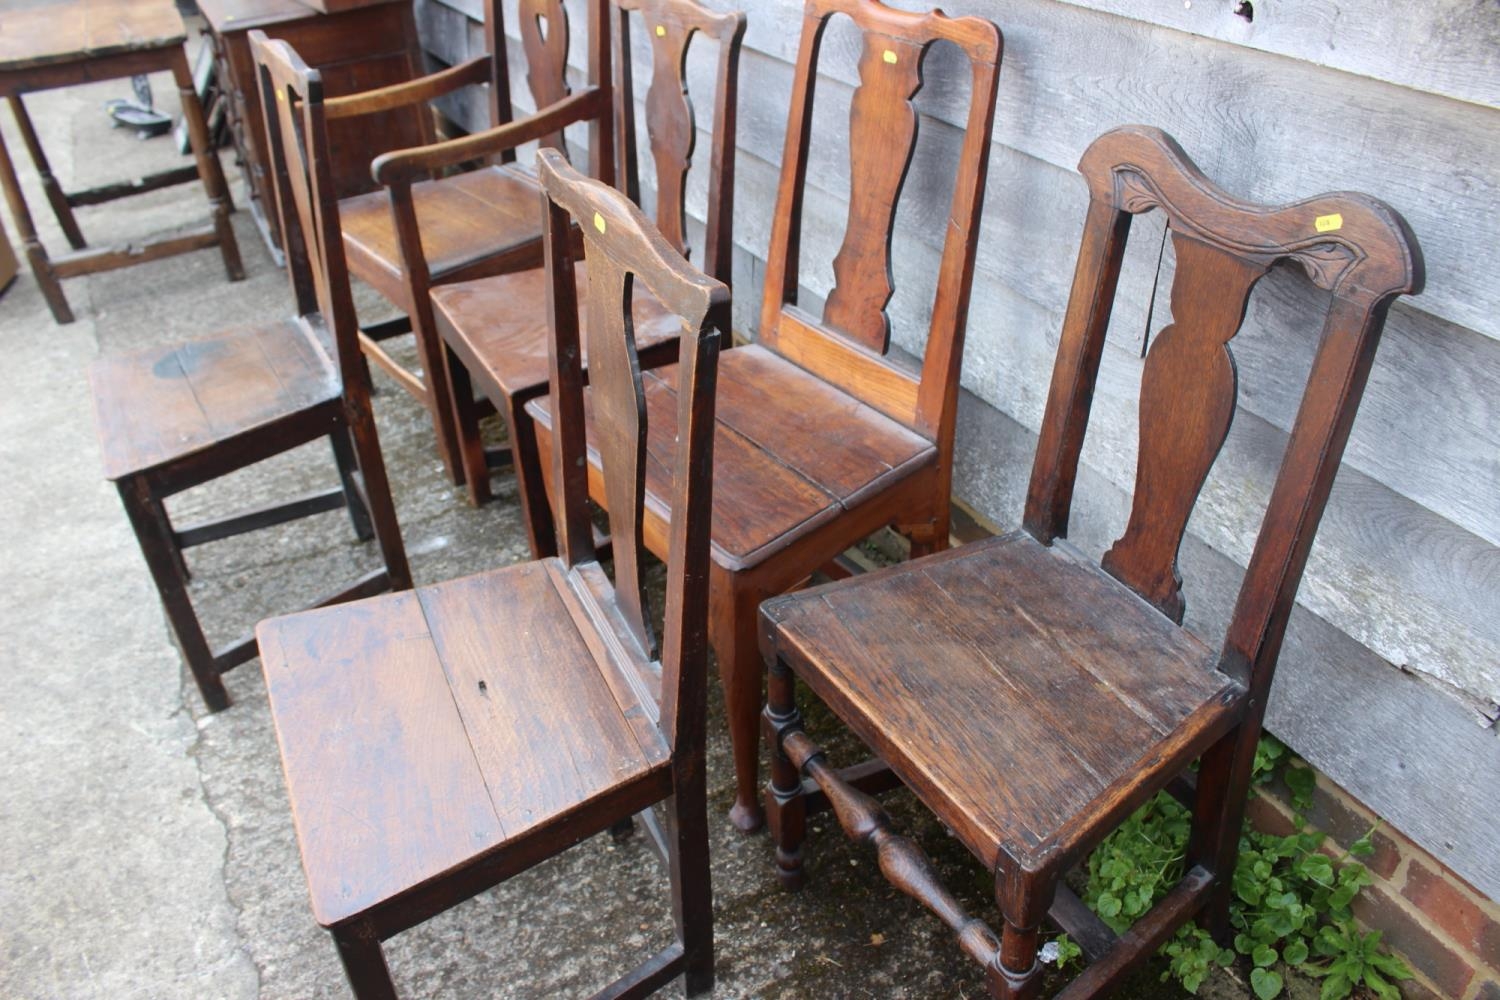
<point>175,417</point>
<point>431,227</point>
<point>437,742</point>
<point>1033,700</point>
<point>495,328</point>
<point>822,439</point>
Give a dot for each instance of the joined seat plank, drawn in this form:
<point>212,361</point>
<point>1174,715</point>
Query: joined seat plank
<point>769,487</point>
<point>204,392</point>
<point>498,326</point>
<point>423,731</point>
<point>1015,643</point>
<point>460,218</point>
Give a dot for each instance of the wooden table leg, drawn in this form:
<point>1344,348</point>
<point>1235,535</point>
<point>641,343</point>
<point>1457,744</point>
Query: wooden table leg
<point>36,254</point>
<point>209,168</point>
<point>55,194</point>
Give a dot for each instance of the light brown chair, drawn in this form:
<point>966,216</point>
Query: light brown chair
<point>495,328</point>
<point>429,227</point>
<point>175,417</point>
<point>436,743</point>
<point>822,439</point>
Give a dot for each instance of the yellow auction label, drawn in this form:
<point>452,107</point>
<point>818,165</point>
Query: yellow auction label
<point>661,32</point>
<point>599,222</point>
<point>1329,223</point>
<point>890,56</point>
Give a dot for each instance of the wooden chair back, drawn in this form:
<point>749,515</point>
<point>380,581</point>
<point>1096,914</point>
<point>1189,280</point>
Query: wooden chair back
<point>1355,247</point>
<point>545,34</point>
<point>297,139</point>
<point>624,249</point>
<point>848,345</point>
<point>671,26</point>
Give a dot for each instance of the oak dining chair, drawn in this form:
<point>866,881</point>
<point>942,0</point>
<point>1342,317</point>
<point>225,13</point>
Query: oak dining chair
<point>823,438</point>
<point>1031,699</point>
<point>494,329</point>
<point>437,742</point>
<point>430,226</point>
<point>179,416</point>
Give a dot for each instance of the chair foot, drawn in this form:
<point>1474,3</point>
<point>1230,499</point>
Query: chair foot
<point>747,817</point>
<point>789,869</point>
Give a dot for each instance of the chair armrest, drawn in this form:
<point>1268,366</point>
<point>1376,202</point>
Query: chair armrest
<point>465,74</point>
<point>403,165</point>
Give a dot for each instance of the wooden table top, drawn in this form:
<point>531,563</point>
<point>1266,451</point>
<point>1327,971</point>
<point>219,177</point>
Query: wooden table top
<point>242,15</point>
<point>86,29</point>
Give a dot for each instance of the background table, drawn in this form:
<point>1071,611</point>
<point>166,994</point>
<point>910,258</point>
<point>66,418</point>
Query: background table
<point>84,41</point>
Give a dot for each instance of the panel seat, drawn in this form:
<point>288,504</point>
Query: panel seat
<point>464,220</point>
<point>791,453</point>
<point>159,405</point>
<point>959,667</point>
<point>498,327</point>
<point>426,732</point>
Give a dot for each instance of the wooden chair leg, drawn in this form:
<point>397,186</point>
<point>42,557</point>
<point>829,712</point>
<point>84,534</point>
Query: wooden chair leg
<point>469,444</point>
<point>364,963</point>
<point>536,510</point>
<point>1218,816</point>
<point>154,533</point>
<point>786,809</point>
<point>343,454</point>
<point>50,186</point>
<point>36,254</point>
<point>692,886</point>
<point>210,171</point>
<point>382,510</point>
<point>1015,973</point>
<point>733,628</point>
<point>439,395</point>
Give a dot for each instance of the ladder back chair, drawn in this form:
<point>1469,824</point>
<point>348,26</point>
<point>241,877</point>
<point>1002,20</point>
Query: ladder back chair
<point>175,417</point>
<point>428,227</point>
<point>491,722</point>
<point>822,439</point>
<point>1033,700</point>
<point>494,329</point>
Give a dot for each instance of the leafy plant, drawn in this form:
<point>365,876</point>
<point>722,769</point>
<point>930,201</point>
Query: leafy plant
<point>1291,903</point>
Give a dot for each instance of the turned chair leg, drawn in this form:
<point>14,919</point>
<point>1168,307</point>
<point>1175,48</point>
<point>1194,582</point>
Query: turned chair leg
<point>692,886</point>
<point>154,533</point>
<point>1024,898</point>
<point>364,963</point>
<point>786,809</point>
<point>343,454</point>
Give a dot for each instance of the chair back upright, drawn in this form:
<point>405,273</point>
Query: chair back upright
<point>1355,247</point>
<point>297,140</point>
<point>671,125</point>
<point>545,34</point>
<point>624,249</point>
<point>848,345</point>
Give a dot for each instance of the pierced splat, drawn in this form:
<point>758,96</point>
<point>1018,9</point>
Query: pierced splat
<point>620,422</point>
<point>882,137</point>
<point>670,126</point>
<point>544,39</point>
<point>1187,400</point>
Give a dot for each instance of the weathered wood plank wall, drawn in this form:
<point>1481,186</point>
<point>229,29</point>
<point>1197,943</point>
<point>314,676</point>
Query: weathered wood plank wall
<point>1390,680</point>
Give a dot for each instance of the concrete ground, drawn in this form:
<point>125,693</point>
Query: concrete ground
<point>146,848</point>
